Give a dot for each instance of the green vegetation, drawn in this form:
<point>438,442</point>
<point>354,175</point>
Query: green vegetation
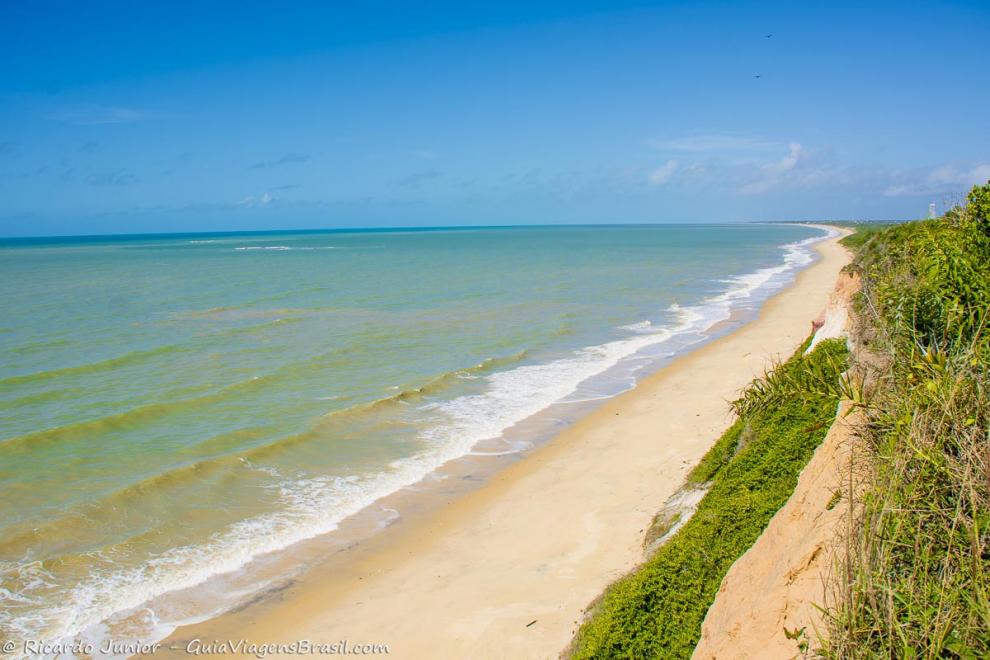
<point>979,206</point>
<point>657,610</point>
<point>716,458</point>
<point>917,576</point>
<point>834,500</point>
<point>861,234</point>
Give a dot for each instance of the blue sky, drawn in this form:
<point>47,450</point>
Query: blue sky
<point>129,117</point>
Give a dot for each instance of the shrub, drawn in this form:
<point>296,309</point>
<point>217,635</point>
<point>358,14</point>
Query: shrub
<point>979,205</point>
<point>917,576</point>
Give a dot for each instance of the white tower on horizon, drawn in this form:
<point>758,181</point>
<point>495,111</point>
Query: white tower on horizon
<point>931,210</point>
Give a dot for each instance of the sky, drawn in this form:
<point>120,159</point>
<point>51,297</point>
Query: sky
<point>136,117</point>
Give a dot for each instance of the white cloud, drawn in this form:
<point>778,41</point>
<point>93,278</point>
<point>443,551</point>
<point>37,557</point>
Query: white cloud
<point>941,180</point>
<point>752,165</point>
<point>980,175</point>
<point>773,174</point>
<point>662,174</point>
<point>787,163</point>
<point>265,199</point>
<point>949,175</point>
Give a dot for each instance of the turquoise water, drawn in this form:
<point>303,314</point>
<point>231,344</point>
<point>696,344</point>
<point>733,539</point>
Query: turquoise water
<point>172,407</point>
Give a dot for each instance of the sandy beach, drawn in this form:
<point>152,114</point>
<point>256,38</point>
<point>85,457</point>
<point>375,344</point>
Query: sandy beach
<point>507,569</point>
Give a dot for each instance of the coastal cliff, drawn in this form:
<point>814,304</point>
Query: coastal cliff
<point>871,539</point>
<point>749,473</point>
<point>769,603</point>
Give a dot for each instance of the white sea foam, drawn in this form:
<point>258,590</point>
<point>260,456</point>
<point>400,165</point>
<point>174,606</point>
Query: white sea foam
<point>641,326</point>
<point>389,517</point>
<point>314,506</point>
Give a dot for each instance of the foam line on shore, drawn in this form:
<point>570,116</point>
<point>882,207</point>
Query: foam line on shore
<point>317,505</point>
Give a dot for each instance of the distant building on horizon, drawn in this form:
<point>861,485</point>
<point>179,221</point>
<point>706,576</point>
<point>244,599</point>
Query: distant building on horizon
<point>931,210</point>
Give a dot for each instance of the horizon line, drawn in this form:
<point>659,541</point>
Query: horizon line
<point>391,229</point>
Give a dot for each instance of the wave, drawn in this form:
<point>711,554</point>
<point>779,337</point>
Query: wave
<point>40,346</point>
<point>151,412</point>
<point>91,367</point>
<point>313,506</point>
<point>134,357</point>
<point>259,327</point>
<point>40,397</point>
<point>129,418</point>
<point>403,396</point>
<point>19,539</point>
<point>641,326</point>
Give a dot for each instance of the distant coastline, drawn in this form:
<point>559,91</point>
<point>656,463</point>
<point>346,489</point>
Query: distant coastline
<point>84,238</point>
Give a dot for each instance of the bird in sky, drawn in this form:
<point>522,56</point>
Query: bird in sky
<point>769,35</point>
<point>757,76</point>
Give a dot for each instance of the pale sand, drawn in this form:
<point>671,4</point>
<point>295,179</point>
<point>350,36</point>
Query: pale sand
<point>546,535</point>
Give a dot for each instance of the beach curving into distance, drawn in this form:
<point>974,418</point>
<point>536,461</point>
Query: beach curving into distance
<point>508,569</point>
<point>331,405</point>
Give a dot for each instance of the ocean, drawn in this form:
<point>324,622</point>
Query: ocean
<point>175,409</point>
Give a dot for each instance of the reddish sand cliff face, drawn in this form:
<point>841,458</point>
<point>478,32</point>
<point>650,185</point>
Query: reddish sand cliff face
<point>834,321</point>
<point>777,584</point>
<point>780,582</point>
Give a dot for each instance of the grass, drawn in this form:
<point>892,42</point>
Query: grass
<point>916,579</point>
<point>657,610</point>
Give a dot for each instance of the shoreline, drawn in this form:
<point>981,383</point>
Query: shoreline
<point>520,556</point>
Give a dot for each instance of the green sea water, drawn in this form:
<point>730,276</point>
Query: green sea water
<point>174,407</point>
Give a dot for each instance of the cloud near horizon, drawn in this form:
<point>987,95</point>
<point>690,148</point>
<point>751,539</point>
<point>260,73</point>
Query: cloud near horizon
<point>662,174</point>
<point>773,174</point>
<point>942,180</point>
<point>804,168</point>
<point>251,201</point>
